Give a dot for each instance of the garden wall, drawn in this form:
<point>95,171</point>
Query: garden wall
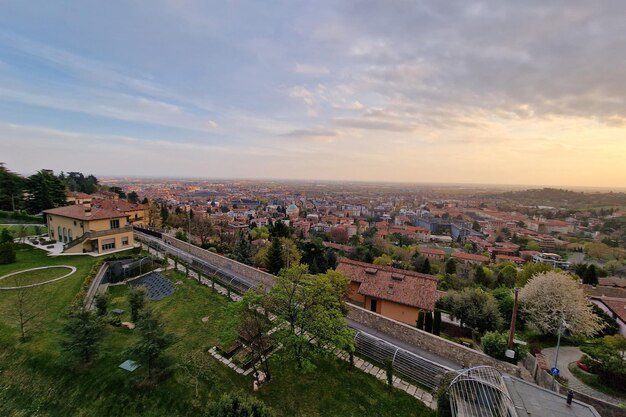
<point>427,341</point>
<point>220,261</point>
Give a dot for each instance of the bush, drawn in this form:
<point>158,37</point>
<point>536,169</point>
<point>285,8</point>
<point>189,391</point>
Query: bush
<point>495,344</point>
<point>7,253</point>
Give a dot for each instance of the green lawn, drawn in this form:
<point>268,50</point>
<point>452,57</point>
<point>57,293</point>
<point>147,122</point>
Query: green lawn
<point>30,229</point>
<point>36,379</point>
<point>592,381</point>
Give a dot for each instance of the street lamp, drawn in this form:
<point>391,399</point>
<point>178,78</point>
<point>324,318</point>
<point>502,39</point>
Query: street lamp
<point>510,353</point>
<point>562,327</point>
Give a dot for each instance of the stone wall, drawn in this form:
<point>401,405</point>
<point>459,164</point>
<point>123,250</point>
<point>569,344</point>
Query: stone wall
<point>220,261</point>
<point>428,341</point>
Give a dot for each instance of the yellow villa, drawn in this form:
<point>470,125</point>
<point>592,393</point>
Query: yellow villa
<point>85,229</point>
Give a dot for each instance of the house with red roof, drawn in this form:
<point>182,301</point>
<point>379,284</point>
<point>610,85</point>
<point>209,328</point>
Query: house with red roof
<point>394,293</point>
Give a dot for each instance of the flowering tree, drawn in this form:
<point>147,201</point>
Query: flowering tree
<point>549,295</point>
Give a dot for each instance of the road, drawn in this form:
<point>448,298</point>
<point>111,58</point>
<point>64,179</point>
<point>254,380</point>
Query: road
<point>567,355</point>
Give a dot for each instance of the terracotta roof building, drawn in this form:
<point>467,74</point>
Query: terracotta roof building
<point>395,293</point>
<point>470,258</point>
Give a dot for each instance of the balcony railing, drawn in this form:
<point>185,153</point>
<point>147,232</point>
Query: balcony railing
<point>96,233</point>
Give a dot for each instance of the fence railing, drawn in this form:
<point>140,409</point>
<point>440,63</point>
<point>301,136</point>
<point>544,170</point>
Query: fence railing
<point>403,362</point>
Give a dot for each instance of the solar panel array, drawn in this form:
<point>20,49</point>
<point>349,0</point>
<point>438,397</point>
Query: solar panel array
<point>157,285</point>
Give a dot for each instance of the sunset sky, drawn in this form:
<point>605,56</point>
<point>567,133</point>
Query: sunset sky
<point>524,92</point>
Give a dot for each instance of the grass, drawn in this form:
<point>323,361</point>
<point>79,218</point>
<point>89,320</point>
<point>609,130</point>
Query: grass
<point>593,381</point>
<point>36,378</point>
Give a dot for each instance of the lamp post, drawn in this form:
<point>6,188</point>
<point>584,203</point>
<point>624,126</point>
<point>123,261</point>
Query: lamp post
<point>562,324</point>
<point>513,319</point>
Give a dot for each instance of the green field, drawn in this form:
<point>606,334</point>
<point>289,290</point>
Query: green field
<point>36,378</point>
<point>31,230</point>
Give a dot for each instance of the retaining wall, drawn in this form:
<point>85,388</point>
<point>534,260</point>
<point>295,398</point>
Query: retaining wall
<point>427,341</point>
<point>220,261</point>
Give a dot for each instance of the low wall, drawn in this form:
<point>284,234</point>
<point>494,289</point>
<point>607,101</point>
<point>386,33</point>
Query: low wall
<point>427,341</point>
<point>220,261</point>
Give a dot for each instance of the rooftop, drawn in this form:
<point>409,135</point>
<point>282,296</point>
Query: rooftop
<point>80,212</point>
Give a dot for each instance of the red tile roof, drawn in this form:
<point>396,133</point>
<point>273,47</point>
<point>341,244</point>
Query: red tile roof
<point>432,251</point>
<point>470,257</point>
<point>79,212</point>
<point>398,285</point>
<point>617,306</point>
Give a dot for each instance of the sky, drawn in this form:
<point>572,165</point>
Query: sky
<point>491,92</point>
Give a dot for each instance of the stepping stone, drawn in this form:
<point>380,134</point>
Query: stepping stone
<point>128,325</point>
<point>205,319</point>
<point>427,398</point>
<point>411,390</point>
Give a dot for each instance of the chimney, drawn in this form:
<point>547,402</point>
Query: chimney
<point>87,211</point>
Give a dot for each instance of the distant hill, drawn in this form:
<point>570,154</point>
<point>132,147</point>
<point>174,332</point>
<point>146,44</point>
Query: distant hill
<point>563,198</point>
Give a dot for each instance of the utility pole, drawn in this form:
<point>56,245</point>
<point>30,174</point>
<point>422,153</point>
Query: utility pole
<point>513,319</point>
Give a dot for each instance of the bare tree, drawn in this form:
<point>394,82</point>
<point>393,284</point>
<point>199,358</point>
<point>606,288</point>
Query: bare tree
<point>28,306</point>
<point>254,328</point>
<point>202,227</point>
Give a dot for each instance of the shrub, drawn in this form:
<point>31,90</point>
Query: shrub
<point>7,253</point>
<point>437,323</point>
<point>495,344</point>
<point>420,320</point>
<point>428,322</point>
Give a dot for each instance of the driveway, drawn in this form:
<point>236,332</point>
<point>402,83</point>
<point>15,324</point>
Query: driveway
<point>567,355</point>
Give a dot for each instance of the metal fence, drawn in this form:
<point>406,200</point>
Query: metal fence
<point>223,276</point>
<point>404,363</point>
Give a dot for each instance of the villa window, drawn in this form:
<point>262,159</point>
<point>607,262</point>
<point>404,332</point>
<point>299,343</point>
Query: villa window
<point>125,241</point>
<point>108,244</point>
<point>115,224</point>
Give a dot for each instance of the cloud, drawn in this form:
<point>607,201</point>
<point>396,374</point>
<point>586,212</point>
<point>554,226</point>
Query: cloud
<point>310,69</point>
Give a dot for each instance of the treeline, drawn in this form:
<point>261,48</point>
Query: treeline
<point>42,190</point>
<point>563,198</point>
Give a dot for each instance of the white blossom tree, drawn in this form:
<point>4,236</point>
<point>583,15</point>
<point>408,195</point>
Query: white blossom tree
<point>549,295</point>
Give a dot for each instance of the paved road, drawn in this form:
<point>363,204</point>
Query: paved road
<point>567,355</point>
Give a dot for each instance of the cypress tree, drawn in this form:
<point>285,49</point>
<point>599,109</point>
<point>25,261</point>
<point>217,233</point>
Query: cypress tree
<point>275,257</point>
<point>428,323</point>
<point>437,323</point>
<point>420,320</point>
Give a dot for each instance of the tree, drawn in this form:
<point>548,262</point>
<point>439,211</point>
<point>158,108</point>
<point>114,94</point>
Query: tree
<point>83,334</point>
<point>507,275</point>
<point>102,304</point>
<point>118,191</point>
<point>45,191</point>
<point>591,275</point>
<point>476,226</point>
<point>242,251</point>
<point>529,271</point>
<point>6,236</point>
<point>532,245</point>
<point>275,260</point>
<point>165,213</point>
<point>137,301</point>
<point>437,322</point>
<point>28,306</point>
<point>450,266</point>
<point>420,320</point>
<point>133,197</point>
<point>153,340</point>
<point>181,235</point>
<point>230,405</point>
<point>154,215</point>
<point>279,229</point>
<point>254,327</point>
<point>312,306</point>
<point>384,260</point>
<point>11,190</point>
<point>551,294</point>
<point>428,322</point>
<point>7,253</point>
<point>203,228</point>
<point>474,307</point>
<point>315,256</point>
<point>421,264</point>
